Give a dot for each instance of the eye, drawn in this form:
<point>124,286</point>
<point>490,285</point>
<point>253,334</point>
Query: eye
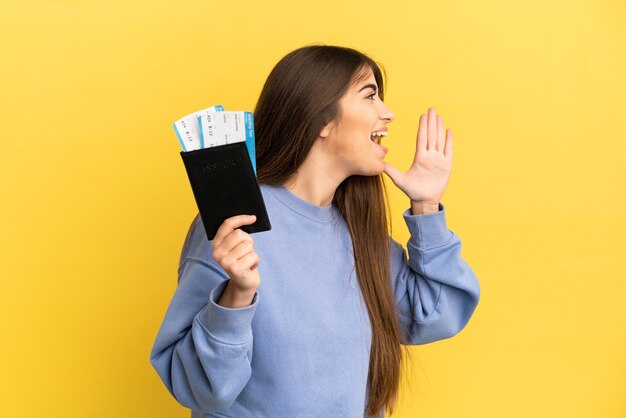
<point>371,96</point>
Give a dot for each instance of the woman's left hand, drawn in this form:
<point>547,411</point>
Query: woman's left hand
<point>426,180</point>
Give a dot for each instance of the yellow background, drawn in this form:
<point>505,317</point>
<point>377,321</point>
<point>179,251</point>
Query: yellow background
<point>96,203</point>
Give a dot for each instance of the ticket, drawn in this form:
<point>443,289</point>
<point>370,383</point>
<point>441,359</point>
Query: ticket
<point>225,128</point>
<point>228,127</point>
<point>188,131</point>
<point>249,123</point>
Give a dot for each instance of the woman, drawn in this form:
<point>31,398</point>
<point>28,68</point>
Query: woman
<point>320,335</point>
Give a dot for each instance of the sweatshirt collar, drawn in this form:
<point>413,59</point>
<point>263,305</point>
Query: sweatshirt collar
<point>297,204</point>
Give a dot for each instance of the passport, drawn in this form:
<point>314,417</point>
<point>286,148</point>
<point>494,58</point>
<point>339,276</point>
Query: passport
<point>223,179</point>
<point>224,185</point>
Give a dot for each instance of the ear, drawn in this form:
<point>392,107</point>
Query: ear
<point>327,129</point>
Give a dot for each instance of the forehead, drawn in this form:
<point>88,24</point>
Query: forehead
<point>363,78</point>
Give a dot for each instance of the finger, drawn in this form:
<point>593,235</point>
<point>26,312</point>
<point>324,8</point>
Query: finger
<point>432,128</point>
<point>229,259</point>
<point>394,174</point>
<point>240,250</point>
<point>250,261</point>
<point>422,134</point>
<point>449,144</point>
<point>441,140</point>
<point>246,263</point>
<point>233,239</point>
<point>229,225</point>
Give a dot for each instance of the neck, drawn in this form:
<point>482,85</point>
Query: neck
<point>315,181</point>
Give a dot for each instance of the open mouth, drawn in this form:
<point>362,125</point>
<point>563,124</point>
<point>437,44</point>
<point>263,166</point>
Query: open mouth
<point>377,135</point>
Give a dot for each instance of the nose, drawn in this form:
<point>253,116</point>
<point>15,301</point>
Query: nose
<point>386,114</point>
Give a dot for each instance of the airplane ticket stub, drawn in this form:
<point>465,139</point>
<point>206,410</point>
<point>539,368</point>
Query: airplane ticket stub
<point>188,131</point>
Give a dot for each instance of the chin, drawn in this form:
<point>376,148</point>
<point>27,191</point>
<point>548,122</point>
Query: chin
<point>381,168</point>
<point>375,170</point>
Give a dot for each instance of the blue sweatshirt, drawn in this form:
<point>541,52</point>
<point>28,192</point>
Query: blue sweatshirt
<point>301,349</point>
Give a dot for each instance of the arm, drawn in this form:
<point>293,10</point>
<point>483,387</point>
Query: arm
<point>203,350</point>
<point>436,291</point>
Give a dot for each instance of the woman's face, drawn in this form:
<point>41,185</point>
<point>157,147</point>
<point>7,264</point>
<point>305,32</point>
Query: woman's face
<point>351,140</point>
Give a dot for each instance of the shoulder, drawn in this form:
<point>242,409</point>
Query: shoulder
<point>268,190</point>
<point>397,255</point>
<point>197,246</point>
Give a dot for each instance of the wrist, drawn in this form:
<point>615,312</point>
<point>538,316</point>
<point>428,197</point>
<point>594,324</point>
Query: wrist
<point>424,208</point>
<point>232,297</point>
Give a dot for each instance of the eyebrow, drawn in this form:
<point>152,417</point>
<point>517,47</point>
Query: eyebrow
<point>372,86</point>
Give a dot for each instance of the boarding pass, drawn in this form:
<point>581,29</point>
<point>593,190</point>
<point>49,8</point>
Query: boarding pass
<point>213,126</point>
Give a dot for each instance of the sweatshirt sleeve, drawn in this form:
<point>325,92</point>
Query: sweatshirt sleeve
<point>436,291</point>
<point>203,351</point>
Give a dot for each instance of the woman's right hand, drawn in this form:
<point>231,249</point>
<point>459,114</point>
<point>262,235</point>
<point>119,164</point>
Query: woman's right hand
<point>233,249</point>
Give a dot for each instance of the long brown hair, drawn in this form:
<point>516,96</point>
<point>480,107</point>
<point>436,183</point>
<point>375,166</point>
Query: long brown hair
<point>300,96</point>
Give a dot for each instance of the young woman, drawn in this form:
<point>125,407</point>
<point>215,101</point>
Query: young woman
<point>308,319</point>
